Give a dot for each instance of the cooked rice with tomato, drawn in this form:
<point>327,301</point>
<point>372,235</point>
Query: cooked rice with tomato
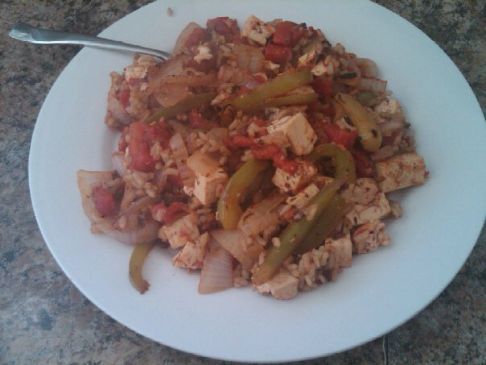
<point>261,156</point>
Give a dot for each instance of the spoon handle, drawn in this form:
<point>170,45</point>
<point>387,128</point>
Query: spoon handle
<point>27,33</point>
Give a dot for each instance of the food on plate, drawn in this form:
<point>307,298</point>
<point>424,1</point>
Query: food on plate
<point>260,156</point>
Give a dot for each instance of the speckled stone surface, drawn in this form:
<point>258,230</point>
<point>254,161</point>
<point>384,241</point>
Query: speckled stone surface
<point>45,320</point>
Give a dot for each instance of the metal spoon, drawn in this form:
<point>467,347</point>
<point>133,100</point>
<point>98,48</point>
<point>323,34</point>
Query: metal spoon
<point>27,33</point>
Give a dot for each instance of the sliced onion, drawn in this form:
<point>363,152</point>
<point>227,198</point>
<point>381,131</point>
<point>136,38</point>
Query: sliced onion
<point>249,58</point>
<point>147,233</point>
<point>118,161</point>
<point>375,85</point>
<point>170,94</point>
<point>178,147</point>
<point>236,243</point>
<point>368,67</point>
<point>217,272</point>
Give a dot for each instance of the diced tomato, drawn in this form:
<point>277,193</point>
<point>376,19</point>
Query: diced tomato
<point>141,138</point>
<point>239,141</point>
<point>104,201</point>
<point>223,25</point>
<point>196,119</point>
<point>274,153</point>
<point>168,214</point>
<point>287,34</point>
<point>323,86</point>
<point>339,135</point>
<point>197,36</point>
<point>124,97</point>
<point>364,165</point>
<point>175,180</point>
<point>277,54</point>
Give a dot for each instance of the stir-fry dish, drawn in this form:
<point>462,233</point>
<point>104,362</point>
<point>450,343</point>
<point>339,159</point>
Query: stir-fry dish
<point>262,156</point>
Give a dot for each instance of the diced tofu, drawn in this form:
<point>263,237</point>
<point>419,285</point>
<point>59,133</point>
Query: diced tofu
<point>369,236</point>
<point>340,252</point>
<point>319,69</point>
<point>287,182</point>
<point>389,107</point>
<point>181,231</point>
<point>256,30</point>
<point>363,191</point>
<point>302,198</point>
<point>400,172</point>
<point>307,58</point>
<point>298,131</point>
<point>281,286</point>
<point>192,254</point>
<point>203,53</point>
<point>379,208</point>
<point>208,188</point>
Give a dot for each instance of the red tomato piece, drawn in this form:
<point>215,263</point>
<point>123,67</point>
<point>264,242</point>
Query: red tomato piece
<point>274,153</point>
<point>339,135</point>
<point>124,97</point>
<point>142,136</point>
<point>323,86</point>
<point>287,34</point>
<point>364,165</point>
<point>277,54</point>
<point>104,201</point>
<point>168,214</point>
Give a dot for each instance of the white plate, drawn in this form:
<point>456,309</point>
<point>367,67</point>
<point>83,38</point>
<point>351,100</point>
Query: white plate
<point>441,223</point>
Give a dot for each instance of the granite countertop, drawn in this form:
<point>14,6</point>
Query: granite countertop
<point>44,319</point>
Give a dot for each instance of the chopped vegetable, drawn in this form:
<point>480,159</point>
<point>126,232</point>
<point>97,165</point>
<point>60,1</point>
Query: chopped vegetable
<point>229,209</point>
<point>137,259</point>
<point>217,271</point>
<point>342,160</point>
<point>293,99</point>
<point>185,105</point>
<point>294,234</point>
<point>340,135</point>
<point>324,225</point>
<point>370,135</point>
<point>280,85</point>
<point>367,98</point>
<point>236,243</point>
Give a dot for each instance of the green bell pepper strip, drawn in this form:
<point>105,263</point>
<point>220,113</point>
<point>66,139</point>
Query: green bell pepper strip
<point>342,159</point>
<point>183,106</point>
<point>292,99</point>
<point>280,85</point>
<point>293,236</point>
<point>370,135</point>
<point>229,209</point>
<point>137,259</point>
<point>324,225</point>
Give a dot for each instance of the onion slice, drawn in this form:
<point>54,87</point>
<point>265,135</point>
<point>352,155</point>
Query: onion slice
<point>137,259</point>
<point>236,243</point>
<point>217,271</point>
<point>147,233</point>
<point>375,85</point>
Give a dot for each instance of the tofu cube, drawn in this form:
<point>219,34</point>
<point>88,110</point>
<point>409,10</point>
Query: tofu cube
<point>369,236</point>
<point>400,172</point>
<point>363,191</point>
<point>282,286</point>
<point>181,231</point>
<point>378,209</point>
<point>298,131</point>
<point>302,198</point>
<point>291,183</point>
<point>191,256</point>
<point>389,107</point>
<point>207,188</point>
